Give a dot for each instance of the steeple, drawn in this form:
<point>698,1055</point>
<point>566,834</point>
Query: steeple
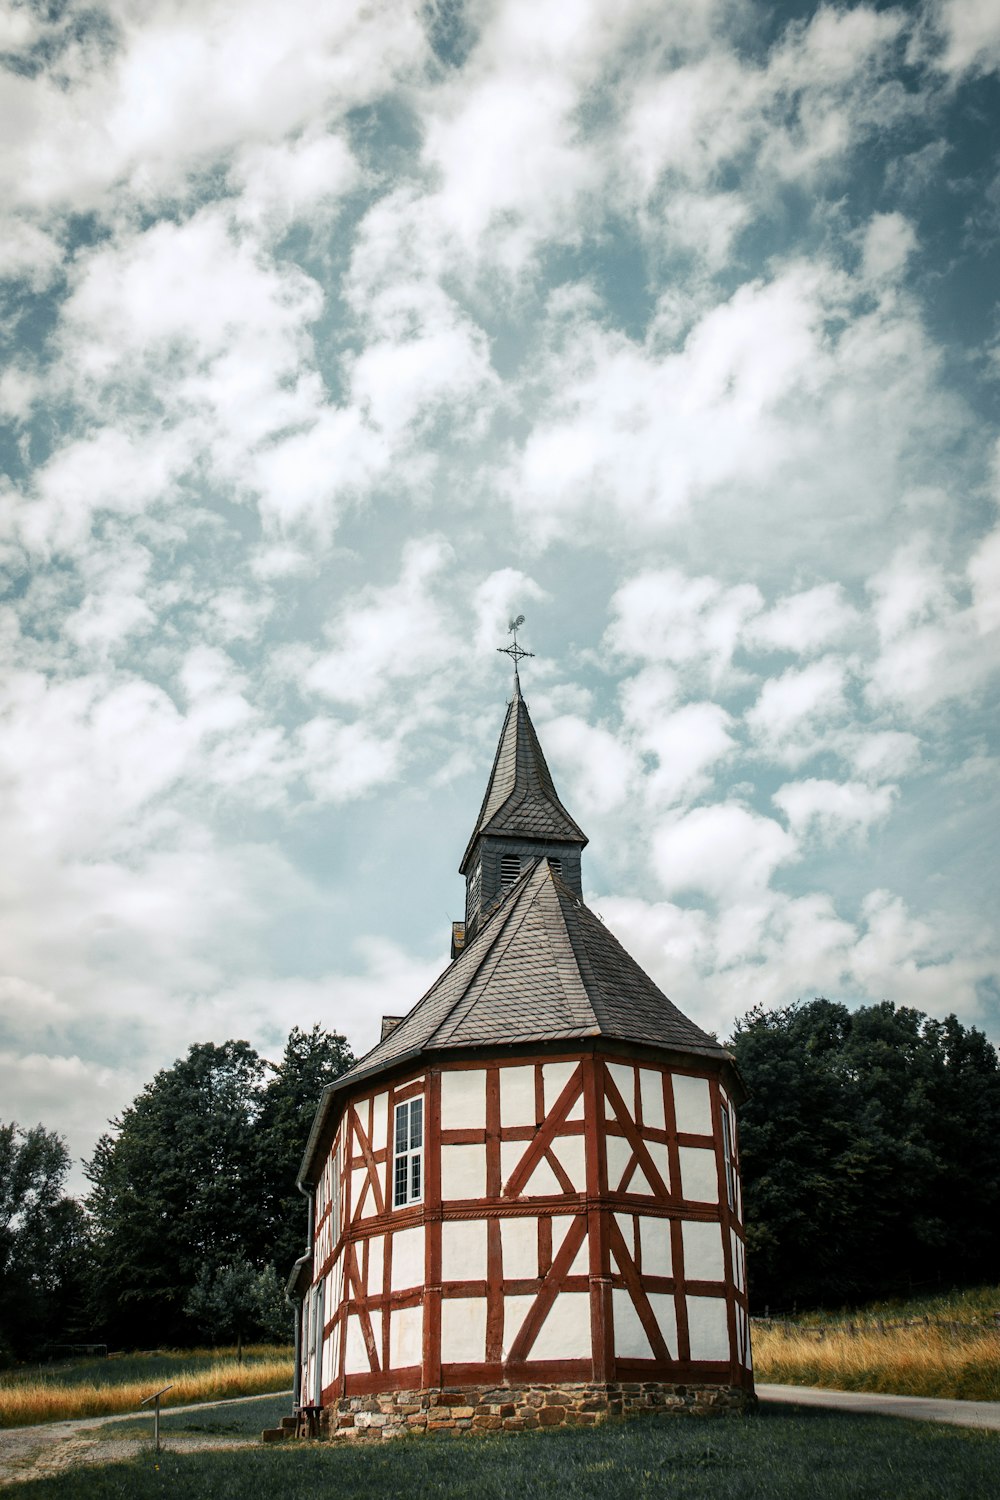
<point>521,819</point>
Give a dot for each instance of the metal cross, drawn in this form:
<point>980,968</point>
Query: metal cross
<point>514,651</point>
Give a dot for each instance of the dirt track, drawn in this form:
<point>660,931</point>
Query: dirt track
<point>35,1452</point>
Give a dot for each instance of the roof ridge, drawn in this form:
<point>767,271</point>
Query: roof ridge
<point>512,896</point>
<point>580,950</point>
<point>562,893</point>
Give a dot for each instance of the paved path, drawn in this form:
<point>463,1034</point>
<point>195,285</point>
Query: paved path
<point>34,1452</point>
<point>925,1408</point>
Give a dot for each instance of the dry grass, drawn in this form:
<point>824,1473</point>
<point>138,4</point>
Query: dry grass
<point>25,1401</point>
<point>961,1361</point>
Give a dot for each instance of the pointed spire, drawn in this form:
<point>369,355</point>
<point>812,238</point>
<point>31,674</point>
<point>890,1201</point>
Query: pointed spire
<point>521,800</point>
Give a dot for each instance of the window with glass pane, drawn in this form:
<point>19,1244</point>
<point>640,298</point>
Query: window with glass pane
<point>408,1177</point>
<point>727,1148</point>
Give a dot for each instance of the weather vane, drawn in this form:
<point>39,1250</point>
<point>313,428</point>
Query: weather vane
<point>514,651</point>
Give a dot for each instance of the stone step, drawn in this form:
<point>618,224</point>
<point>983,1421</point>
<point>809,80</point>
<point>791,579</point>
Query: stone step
<point>274,1435</point>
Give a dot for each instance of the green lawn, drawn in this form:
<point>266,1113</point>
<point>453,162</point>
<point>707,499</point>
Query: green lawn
<point>234,1419</point>
<point>774,1455</point>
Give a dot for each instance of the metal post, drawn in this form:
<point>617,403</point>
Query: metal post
<point>155,1398</point>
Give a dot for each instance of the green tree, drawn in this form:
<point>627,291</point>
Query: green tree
<point>239,1301</point>
<point>175,1189</point>
<point>867,1151</point>
<point>44,1243</point>
<point>198,1175</point>
<point>311,1060</point>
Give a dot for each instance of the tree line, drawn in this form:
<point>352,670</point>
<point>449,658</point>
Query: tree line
<point>867,1147</point>
<point>192,1221</point>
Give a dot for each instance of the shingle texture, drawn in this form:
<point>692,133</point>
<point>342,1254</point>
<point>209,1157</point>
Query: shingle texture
<point>521,799</point>
<point>544,968</point>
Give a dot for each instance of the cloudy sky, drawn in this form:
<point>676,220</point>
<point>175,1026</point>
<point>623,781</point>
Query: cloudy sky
<point>328,344</point>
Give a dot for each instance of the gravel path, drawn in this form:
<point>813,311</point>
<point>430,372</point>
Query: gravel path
<point>923,1408</point>
<point>35,1452</point>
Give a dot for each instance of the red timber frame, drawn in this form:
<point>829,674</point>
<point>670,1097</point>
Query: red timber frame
<point>613,1263</point>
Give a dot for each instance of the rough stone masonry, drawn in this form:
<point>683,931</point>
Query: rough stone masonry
<point>520,1408</point>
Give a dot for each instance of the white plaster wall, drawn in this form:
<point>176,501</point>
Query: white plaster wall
<point>703,1259</point>
<point>640,1182</point>
<point>463,1172</point>
<point>708,1328</point>
<point>665,1313</point>
<point>555,1077</point>
<point>580,1264</point>
<point>630,1336</point>
<point>565,1334</point>
<point>699,1174</point>
<point>624,1079</point>
<point>692,1104</point>
<point>463,1250</point>
<point>517,1096</point>
<point>356,1360</point>
<point>626,1223</point>
<point>654,1236</point>
<point>515,1310</point>
<point>463,1099</point>
<point>408,1258</point>
<point>463,1330</point>
<point>379,1120</point>
<point>359,1176</point>
<point>651,1095</point>
<point>543,1182</point>
<point>376,1251</point>
<point>406,1337</point>
<point>571,1153</point>
<point>619,1154</point>
<point>519,1243</point>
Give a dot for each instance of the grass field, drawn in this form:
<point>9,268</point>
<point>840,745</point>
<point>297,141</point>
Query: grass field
<point>947,1346</point>
<point>774,1455</point>
<point>101,1387</point>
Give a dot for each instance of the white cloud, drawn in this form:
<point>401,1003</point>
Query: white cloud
<point>28,253</point>
<point>602,770</point>
<point>793,712</point>
<point>188,83</point>
<point>723,850</point>
<point>663,616</point>
<point>889,241</point>
<point>934,648</point>
<point>970,30</point>
<point>833,809</point>
<point>805,622</point>
<point>384,636</point>
<point>279,183</point>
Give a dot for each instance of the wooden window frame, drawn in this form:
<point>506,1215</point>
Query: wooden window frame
<point>727,1156</point>
<point>411,1154</point>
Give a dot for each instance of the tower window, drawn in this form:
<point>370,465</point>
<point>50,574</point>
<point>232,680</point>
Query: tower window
<point>556,865</point>
<point>510,868</point>
<point>407,1172</point>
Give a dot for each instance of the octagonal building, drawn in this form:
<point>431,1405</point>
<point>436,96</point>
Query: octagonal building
<point>524,1201</point>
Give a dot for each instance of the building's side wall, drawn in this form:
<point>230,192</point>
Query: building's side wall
<point>575,1224</point>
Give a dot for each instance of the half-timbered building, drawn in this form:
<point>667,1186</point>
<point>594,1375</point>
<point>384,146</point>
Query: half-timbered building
<point>524,1202</point>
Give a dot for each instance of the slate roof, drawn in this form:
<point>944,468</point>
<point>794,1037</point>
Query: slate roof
<point>521,799</point>
<point>544,968</point>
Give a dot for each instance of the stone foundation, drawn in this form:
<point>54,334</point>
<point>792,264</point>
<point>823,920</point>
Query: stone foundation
<point>518,1408</point>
